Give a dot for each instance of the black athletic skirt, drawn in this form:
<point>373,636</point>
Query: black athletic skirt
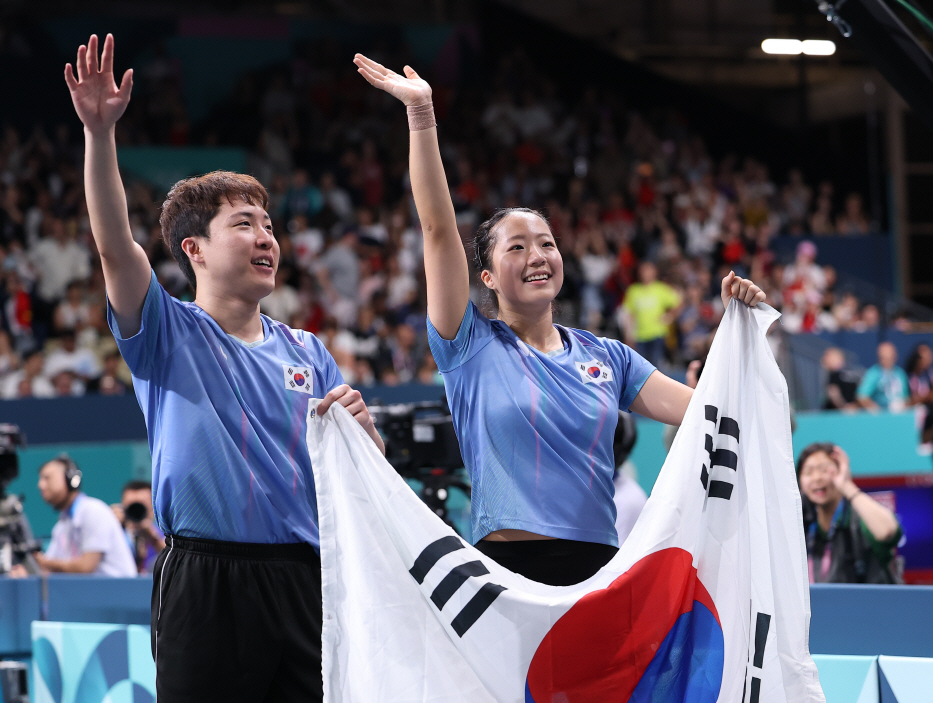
<point>556,562</point>
<point>236,622</point>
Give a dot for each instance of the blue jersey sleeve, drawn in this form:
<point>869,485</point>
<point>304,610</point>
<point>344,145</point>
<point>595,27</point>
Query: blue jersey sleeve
<point>475,333</point>
<point>634,371</point>
<point>162,330</point>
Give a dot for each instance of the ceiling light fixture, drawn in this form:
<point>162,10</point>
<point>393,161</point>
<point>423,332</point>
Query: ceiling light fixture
<point>795,47</point>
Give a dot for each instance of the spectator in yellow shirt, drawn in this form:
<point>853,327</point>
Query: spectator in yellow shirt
<point>648,309</point>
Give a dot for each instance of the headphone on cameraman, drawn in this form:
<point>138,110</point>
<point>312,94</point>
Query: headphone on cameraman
<point>72,472</point>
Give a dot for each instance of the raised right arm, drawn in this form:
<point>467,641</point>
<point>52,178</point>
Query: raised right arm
<point>100,103</point>
<point>445,264</point>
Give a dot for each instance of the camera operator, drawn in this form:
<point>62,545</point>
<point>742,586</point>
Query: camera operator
<point>87,538</point>
<point>135,513</point>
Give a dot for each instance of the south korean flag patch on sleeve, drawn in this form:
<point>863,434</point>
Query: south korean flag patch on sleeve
<point>594,371</point>
<point>298,378</point>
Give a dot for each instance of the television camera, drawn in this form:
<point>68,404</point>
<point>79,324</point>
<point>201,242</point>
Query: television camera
<point>17,544</point>
<point>421,444</point>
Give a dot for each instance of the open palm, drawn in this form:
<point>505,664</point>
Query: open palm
<point>98,100</point>
<point>411,89</point>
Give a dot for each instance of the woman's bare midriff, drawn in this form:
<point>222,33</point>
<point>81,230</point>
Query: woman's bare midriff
<point>514,536</point>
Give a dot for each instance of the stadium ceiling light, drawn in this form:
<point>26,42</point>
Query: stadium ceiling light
<point>795,47</point>
<point>819,47</point>
<point>785,47</point>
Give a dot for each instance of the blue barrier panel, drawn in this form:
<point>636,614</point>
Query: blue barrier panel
<point>878,444</point>
<point>90,663</point>
<point>871,620</point>
<point>848,679</point>
<point>75,598</point>
<point>90,418</point>
<point>20,604</point>
<point>905,679</point>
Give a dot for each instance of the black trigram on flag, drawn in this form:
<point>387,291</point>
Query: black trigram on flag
<point>762,625</point>
<point>457,576</point>
<point>719,457</point>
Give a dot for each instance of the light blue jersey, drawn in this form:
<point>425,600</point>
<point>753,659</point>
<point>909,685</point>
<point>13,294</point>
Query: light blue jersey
<point>227,423</point>
<point>535,429</point>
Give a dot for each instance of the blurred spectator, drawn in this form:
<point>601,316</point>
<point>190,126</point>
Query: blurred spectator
<point>336,199</point>
<point>284,302</point>
<point>302,198</point>
<point>405,353</point>
<point>596,264</point>
<point>821,221</point>
<point>850,536</point>
<point>9,359</point>
<point>68,356</point>
<point>18,313</point>
<point>29,381</point>
<point>87,538</point>
<point>868,320</point>
<point>853,220</point>
<point>342,276</point>
<point>67,384</point>
<point>59,260</point>
<point>648,310</point>
<point>110,381</point>
<point>73,313</point>
<point>920,379</point>
<point>842,382</point>
<point>884,386</point>
<point>804,281</point>
<point>796,198</point>
<point>135,514</point>
<point>697,319</point>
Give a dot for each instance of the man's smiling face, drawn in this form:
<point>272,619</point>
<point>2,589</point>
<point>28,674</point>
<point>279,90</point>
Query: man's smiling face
<point>241,255</point>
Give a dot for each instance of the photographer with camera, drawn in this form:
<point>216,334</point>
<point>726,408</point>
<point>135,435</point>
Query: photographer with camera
<point>134,511</point>
<point>87,538</point>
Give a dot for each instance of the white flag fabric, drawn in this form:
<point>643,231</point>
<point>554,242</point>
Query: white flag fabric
<point>707,600</point>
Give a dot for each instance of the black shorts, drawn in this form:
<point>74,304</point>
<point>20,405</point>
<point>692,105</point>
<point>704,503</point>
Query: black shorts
<point>556,562</point>
<point>236,622</point>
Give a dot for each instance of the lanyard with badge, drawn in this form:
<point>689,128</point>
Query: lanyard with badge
<point>827,558</point>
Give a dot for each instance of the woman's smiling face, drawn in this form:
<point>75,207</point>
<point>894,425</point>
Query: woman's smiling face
<point>816,479</point>
<point>527,269</point>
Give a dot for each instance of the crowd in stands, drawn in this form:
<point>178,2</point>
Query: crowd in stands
<point>647,220</point>
<point>884,386</point>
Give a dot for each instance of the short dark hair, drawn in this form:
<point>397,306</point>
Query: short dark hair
<point>192,203</point>
<point>484,241</point>
<point>136,485</point>
<point>826,447</point>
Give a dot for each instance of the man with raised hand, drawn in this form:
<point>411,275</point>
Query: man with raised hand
<point>236,603</point>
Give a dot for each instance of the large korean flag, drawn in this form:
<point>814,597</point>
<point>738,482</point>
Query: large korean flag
<point>706,601</point>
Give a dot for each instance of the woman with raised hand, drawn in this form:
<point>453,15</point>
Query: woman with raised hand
<point>534,404</point>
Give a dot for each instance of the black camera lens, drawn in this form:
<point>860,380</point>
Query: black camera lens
<point>135,512</point>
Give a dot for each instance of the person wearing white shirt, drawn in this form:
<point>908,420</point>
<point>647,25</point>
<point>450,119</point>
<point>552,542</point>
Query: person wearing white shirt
<point>88,538</point>
<point>283,302</point>
<point>82,362</point>
<point>28,382</point>
<point>59,260</point>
